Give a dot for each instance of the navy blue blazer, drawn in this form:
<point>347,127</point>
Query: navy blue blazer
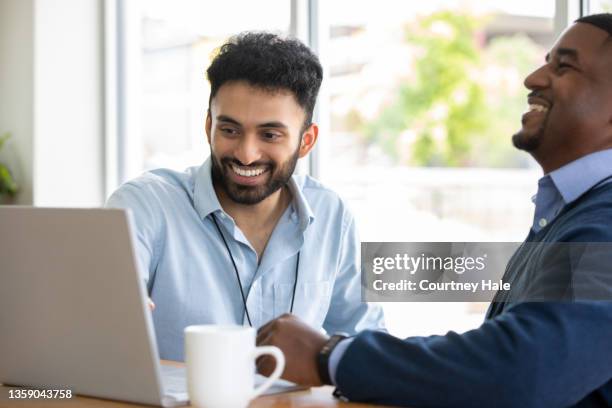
<point>526,354</point>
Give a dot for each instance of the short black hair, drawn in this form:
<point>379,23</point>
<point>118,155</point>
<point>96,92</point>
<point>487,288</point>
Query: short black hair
<point>602,21</point>
<point>271,62</point>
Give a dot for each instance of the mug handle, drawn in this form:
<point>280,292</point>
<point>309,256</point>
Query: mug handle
<point>278,370</point>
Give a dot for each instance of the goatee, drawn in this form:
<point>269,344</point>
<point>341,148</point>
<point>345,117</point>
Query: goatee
<point>278,177</point>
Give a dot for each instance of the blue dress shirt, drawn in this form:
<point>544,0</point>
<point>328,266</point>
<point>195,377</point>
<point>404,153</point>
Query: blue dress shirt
<point>564,185</point>
<point>555,190</point>
<point>189,273</point>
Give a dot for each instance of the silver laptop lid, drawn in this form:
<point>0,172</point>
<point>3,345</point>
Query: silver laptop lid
<point>73,311</point>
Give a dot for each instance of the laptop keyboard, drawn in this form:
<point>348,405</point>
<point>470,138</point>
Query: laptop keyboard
<point>174,381</point>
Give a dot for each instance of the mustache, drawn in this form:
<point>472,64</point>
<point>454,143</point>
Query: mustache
<point>233,160</point>
<point>537,94</point>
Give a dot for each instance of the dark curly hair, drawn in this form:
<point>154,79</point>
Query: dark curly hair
<point>270,62</point>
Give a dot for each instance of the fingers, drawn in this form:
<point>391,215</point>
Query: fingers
<point>151,304</point>
<point>268,326</point>
<point>263,339</point>
<point>265,365</point>
<point>263,333</point>
<point>266,331</point>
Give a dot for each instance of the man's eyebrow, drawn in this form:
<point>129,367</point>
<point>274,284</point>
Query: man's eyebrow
<point>224,118</point>
<point>564,52</point>
<point>273,125</point>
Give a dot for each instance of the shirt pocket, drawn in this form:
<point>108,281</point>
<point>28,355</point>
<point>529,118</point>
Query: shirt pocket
<point>311,302</point>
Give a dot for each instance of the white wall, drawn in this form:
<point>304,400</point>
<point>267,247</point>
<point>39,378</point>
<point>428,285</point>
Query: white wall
<point>51,97</point>
<point>16,90</point>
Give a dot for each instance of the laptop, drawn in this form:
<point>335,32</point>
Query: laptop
<point>73,308</point>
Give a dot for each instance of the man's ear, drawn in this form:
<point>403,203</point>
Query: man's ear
<point>309,138</point>
<point>208,126</point>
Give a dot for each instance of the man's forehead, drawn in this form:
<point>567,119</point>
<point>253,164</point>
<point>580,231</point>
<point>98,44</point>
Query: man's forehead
<point>250,105</point>
<point>580,41</point>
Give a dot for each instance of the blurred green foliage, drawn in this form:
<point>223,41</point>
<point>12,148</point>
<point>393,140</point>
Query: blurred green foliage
<point>446,113</point>
<point>8,186</point>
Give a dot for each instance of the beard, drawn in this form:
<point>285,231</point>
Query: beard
<point>243,194</point>
<point>529,141</point>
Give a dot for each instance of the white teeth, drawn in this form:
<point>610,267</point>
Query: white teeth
<point>247,173</point>
<point>536,107</point>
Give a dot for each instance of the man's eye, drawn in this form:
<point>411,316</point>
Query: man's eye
<point>563,66</point>
<point>270,135</point>
<point>229,131</point>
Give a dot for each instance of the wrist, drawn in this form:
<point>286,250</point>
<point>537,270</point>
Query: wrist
<point>323,357</point>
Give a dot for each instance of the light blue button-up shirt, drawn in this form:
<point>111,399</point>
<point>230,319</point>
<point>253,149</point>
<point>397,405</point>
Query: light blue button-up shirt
<point>189,273</point>
<point>564,185</point>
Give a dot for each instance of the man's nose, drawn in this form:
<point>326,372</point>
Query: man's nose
<point>538,79</point>
<point>247,151</point>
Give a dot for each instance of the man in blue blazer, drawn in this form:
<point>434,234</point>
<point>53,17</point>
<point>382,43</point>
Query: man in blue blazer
<point>526,354</point>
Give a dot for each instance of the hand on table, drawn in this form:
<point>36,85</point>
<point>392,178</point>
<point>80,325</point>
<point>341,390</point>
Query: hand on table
<point>299,343</point>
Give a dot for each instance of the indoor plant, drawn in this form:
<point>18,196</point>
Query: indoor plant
<point>8,186</point>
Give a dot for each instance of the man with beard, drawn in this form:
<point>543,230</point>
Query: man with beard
<point>240,240</point>
<point>553,350</point>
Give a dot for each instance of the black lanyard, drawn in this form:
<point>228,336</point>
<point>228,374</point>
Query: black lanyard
<point>229,252</point>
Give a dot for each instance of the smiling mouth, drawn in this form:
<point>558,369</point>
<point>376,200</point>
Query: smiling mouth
<point>535,111</point>
<point>244,171</point>
<point>535,107</point>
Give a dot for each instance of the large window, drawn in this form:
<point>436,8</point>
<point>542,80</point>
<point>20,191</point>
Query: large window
<point>599,6</point>
<point>417,109</point>
<point>423,100</point>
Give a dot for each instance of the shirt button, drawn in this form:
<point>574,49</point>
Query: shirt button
<point>542,223</point>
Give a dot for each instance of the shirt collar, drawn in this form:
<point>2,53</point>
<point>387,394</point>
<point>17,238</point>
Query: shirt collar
<point>577,177</point>
<point>206,201</point>
<point>301,206</point>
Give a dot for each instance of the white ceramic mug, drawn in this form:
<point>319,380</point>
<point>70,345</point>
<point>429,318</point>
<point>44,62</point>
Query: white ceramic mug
<point>221,365</point>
